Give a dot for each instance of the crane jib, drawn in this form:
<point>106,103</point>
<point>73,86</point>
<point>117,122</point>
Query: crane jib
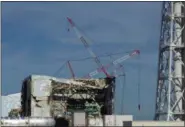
<point>84,41</point>
<point>115,62</point>
<point>87,46</point>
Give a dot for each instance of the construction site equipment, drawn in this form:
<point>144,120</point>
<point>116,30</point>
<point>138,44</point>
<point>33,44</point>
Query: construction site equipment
<point>101,67</point>
<point>114,63</point>
<point>97,60</point>
<point>170,97</point>
<point>85,43</point>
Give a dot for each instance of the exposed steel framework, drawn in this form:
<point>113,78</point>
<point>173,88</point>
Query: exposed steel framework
<point>170,98</point>
<point>96,96</point>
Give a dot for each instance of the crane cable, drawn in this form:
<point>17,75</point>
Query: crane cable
<point>61,68</point>
<point>122,84</point>
<point>102,56</point>
<point>123,93</point>
<point>139,80</point>
<point>114,74</point>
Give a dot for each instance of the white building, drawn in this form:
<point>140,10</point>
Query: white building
<point>9,102</point>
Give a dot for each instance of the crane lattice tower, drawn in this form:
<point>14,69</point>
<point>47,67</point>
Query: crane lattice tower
<point>170,96</point>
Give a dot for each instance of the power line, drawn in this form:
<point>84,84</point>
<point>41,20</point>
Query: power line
<point>105,55</point>
<point>87,58</point>
<point>57,72</point>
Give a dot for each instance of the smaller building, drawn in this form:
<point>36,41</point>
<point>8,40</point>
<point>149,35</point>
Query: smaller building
<point>9,102</point>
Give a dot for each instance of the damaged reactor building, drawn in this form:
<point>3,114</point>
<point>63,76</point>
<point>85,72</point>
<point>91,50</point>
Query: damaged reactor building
<point>45,96</point>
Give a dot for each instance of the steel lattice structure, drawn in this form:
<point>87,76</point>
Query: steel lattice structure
<point>170,99</point>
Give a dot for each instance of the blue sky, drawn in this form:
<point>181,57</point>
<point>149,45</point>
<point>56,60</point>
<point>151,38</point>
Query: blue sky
<point>35,40</point>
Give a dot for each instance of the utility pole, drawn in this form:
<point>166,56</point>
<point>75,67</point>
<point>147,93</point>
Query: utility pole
<point>170,99</point>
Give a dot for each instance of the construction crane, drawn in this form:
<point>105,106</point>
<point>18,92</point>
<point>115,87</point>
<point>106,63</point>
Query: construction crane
<point>107,66</point>
<point>85,43</point>
<point>117,68</point>
<point>96,59</point>
<point>114,63</point>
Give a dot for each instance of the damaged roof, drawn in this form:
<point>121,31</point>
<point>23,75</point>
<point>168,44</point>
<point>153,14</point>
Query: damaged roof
<point>80,83</point>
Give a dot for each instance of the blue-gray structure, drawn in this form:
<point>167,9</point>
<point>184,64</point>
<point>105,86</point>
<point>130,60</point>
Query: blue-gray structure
<point>170,98</point>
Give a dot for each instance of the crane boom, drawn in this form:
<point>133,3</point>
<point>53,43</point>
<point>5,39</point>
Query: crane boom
<point>85,43</point>
<point>118,61</point>
<point>119,66</point>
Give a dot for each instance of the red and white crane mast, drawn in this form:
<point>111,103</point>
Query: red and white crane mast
<point>96,59</point>
<point>83,40</point>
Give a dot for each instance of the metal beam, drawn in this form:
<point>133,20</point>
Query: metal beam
<point>170,90</point>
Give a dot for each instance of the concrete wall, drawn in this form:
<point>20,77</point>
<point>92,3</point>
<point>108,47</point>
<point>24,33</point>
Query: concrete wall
<point>157,123</point>
<point>41,89</point>
<point>79,119</point>
<point>97,121</point>
<point>116,120</point>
